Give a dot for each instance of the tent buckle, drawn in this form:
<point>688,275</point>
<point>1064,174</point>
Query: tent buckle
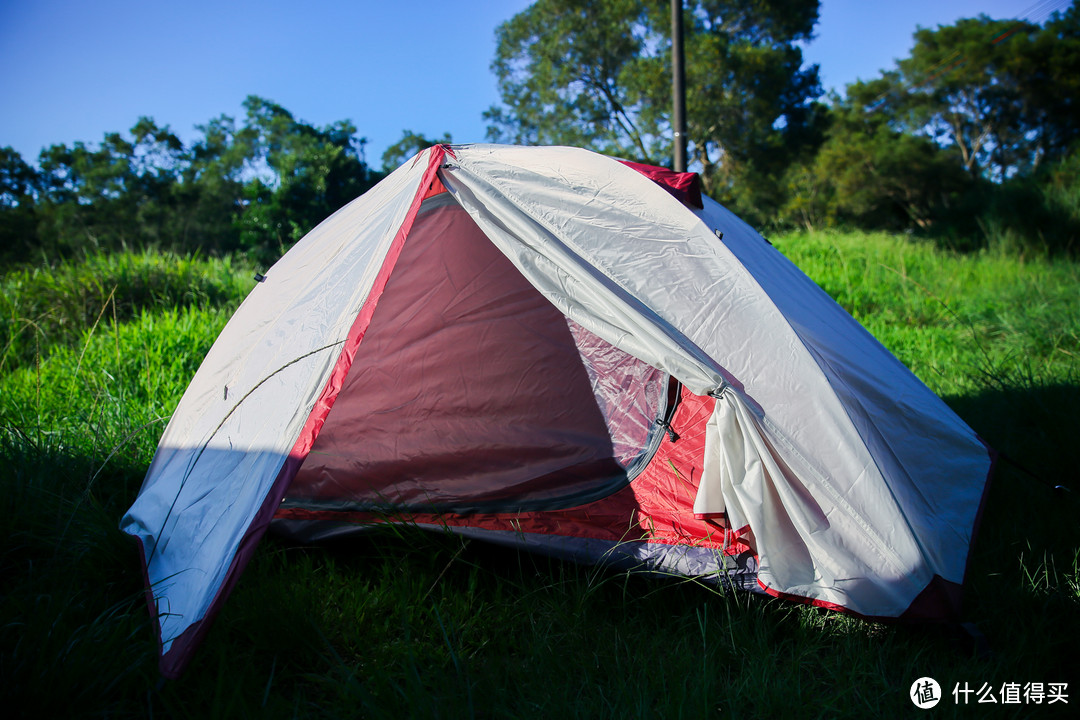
<point>719,390</point>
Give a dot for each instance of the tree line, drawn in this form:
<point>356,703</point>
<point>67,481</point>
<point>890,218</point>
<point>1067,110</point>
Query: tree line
<point>254,187</point>
<point>973,138</point>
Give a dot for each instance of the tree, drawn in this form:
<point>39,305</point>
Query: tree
<point>117,194</point>
<point>409,144</point>
<point>563,68</point>
<point>212,187</point>
<point>595,73</point>
<point>157,159</point>
<point>303,174</point>
<point>18,216</point>
<point>969,138</point>
<point>1051,86</point>
<point>751,107</point>
<point>999,94</point>
<point>869,174</point>
<point>82,195</point>
<point>259,186</point>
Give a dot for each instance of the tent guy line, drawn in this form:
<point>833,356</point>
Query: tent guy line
<point>213,434</point>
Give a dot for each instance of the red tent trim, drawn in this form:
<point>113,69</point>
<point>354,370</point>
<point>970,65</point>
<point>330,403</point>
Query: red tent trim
<point>685,186</point>
<point>180,651</point>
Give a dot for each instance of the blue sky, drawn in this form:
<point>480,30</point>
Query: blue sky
<point>73,70</point>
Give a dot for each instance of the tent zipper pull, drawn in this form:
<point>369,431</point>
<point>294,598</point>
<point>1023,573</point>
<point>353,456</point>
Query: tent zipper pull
<point>668,429</point>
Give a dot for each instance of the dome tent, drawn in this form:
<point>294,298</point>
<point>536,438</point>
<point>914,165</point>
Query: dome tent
<point>551,349</point>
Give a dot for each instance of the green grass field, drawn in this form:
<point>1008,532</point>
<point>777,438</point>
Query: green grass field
<point>402,624</point>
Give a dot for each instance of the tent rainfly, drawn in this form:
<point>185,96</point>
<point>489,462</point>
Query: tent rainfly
<point>554,350</point>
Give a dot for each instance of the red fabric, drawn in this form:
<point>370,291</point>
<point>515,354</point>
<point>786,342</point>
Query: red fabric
<point>437,188</point>
<point>363,319</point>
<point>939,601</point>
<point>809,601</point>
<point>666,489</point>
<point>686,186</point>
<point>468,390</point>
<point>656,507</point>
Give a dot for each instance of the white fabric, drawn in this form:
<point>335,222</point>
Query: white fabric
<point>605,244</point>
<point>925,469</point>
<point>810,541</point>
<point>243,411</point>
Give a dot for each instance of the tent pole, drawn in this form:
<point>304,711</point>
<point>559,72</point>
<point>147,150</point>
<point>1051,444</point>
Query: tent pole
<point>678,86</point>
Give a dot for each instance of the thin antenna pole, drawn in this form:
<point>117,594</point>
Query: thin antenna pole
<point>678,86</point>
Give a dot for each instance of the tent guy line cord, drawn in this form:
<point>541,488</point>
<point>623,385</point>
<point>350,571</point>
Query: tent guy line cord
<point>1035,476</point>
<point>195,461</point>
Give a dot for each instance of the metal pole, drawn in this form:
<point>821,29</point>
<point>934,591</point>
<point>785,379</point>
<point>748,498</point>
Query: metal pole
<point>678,86</point>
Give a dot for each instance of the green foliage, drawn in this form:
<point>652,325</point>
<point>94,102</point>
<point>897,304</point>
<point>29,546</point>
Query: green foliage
<point>971,141</point>
<point>18,218</point>
<point>410,623</point>
<point>410,144</point>
<point>220,166</point>
<point>964,141</point>
<point>314,171</point>
<point>1024,216</point>
<point>596,75</point>
<point>991,91</point>
<point>76,428</point>
<point>753,114</point>
<point>115,195</point>
<point>563,69</point>
<point>868,174</point>
<point>258,187</point>
<point>46,307</point>
<point>75,432</point>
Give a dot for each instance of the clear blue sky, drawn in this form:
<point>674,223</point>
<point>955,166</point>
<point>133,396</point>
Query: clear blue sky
<point>73,70</point>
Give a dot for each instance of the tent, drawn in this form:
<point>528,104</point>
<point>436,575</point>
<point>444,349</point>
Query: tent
<point>551,349</point>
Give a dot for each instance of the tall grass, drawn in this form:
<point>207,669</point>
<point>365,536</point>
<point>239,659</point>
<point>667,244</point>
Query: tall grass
<point>960,322</point>
<point>46,306</point>
<point>412,624</point>
<point>76,430</point>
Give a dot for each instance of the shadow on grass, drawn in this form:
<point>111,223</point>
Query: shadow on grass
<point>1036,425</point>
<point>1023,581</point>
<point>75,637</point>
<point>404,622</point>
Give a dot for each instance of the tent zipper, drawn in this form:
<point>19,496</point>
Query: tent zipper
<point>674,393</point>
<point>673,398</point>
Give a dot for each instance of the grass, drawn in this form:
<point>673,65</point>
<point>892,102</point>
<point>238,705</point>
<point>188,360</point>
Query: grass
<point>413,624</point>
<point>960,322</point>
<point>47,306</point>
